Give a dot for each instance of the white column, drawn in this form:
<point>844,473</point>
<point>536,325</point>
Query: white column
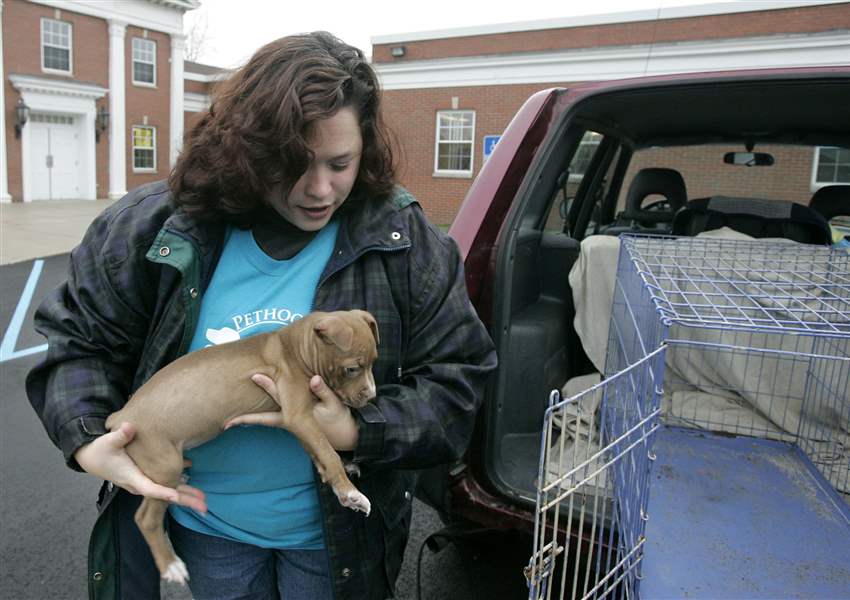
<point>178,42</point>
<point>4,178</point>
<point>117,111</point>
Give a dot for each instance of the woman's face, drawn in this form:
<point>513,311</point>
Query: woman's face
<point>336,144</point>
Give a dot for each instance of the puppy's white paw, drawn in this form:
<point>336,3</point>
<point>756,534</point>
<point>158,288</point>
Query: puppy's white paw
<point>355,500</point>
<point>177,572</point>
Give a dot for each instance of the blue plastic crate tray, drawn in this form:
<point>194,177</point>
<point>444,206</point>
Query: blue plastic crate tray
<point>740,517</point>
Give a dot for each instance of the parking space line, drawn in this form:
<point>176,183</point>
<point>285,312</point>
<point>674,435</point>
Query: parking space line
<point>10,339</point>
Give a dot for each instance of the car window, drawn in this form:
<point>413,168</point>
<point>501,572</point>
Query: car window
<point>705,173</point>
<point>570,180</point>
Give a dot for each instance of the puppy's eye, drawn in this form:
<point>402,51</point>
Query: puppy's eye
<point>352,371</point>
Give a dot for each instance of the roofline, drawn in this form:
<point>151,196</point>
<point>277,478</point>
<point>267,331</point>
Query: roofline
<point>206,77</point>
<point>191,66</point>
<point>157,15</point>
<point>618,62</point>
<point>179,4</point>
<point>661,13</point>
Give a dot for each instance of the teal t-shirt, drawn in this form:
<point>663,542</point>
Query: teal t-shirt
<point>258,480</point>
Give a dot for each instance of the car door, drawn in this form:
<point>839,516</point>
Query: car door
<point>476,229</point>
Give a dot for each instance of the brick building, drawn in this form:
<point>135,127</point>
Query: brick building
<point>447,90</point>
<point>89,103</point>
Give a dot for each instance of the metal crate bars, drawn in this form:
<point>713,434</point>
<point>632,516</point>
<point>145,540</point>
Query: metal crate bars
<point>602,552</point>
<point>769,286</point>
<point>758,336</point>
<point>750,338</point>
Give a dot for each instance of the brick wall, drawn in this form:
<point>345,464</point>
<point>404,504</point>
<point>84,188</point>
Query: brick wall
<point>790,20</point>
<point>190,119</point>
<point>22,56</point>
<point>412,115</point>
<point>149,103</point>
<point>196,87</point>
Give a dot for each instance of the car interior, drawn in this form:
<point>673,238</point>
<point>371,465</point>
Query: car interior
<point>667,159</point>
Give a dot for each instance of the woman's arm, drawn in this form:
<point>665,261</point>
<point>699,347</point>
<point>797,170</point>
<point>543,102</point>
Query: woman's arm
<point>428,418</point>
<point>95,329</point>
<point>96,324</point>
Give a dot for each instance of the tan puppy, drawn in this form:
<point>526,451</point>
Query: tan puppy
<point>189,401</point>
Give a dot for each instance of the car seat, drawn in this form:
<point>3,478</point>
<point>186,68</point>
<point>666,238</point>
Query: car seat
<point>651,181</point>
<point>832,201</point>
<point>755,217</point>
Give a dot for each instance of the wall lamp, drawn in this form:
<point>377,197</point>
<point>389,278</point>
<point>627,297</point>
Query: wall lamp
<point>22,115</point>
<point>101,123</point>
<point>397,51</point>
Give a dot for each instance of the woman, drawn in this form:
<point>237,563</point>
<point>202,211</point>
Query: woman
<point>282,202</point>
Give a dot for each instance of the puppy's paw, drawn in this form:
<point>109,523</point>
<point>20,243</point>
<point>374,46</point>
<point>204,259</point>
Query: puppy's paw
<point>176,572</point>
<point>355,500</point>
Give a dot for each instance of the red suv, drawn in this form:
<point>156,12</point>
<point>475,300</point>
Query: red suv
<point>649,155</point>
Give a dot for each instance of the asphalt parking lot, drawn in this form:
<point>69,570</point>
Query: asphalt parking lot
<point>47,510</point>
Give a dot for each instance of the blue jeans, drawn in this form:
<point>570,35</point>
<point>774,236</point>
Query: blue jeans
<point>221,569</point>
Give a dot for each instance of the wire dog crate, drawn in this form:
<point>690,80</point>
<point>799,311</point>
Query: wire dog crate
<point>714,458</point>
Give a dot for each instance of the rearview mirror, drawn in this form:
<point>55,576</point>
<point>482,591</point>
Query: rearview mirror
<point>748,159</point>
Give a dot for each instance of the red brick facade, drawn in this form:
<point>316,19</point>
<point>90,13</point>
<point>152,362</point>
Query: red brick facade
<point>22,56</point>
<point>412,116</point>
<point>149,105</point>
<point>90,47</point>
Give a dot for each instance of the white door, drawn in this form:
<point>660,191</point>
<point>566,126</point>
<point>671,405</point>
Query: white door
<point>40,141</point>
<point>65,173</point>
<point>55,151</point>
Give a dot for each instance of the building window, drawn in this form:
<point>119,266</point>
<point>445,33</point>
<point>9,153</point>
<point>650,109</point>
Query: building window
<point>55,46</point>
<point>832,165</point>
<point>455,134</point>
<point>144,148</point>
<point>144,61</point>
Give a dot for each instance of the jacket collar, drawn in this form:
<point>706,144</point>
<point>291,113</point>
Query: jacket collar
<point>205,235</point>
<point>376,223</point>
<point>368,224</point>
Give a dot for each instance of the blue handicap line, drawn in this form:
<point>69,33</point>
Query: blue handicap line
<point>7,347</point>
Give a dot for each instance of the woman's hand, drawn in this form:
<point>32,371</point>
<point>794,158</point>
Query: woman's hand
<point>334,418</point>
<point>106,458</point>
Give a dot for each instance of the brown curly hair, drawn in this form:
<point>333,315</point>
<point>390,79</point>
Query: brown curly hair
<point>255,134</point>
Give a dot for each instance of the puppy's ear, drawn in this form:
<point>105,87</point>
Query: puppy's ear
<point>333,330</point>
<point>373,324</point>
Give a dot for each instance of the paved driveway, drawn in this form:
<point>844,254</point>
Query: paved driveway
<point>35,229</point>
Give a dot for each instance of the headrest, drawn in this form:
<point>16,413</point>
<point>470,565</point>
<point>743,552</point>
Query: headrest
<point>665,182</point>
<point>832,201</point>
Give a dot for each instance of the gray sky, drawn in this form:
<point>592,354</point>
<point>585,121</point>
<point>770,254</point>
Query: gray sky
<point>236,28</point>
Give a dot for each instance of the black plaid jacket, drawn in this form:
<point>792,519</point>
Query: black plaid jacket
<point>130,307</point>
